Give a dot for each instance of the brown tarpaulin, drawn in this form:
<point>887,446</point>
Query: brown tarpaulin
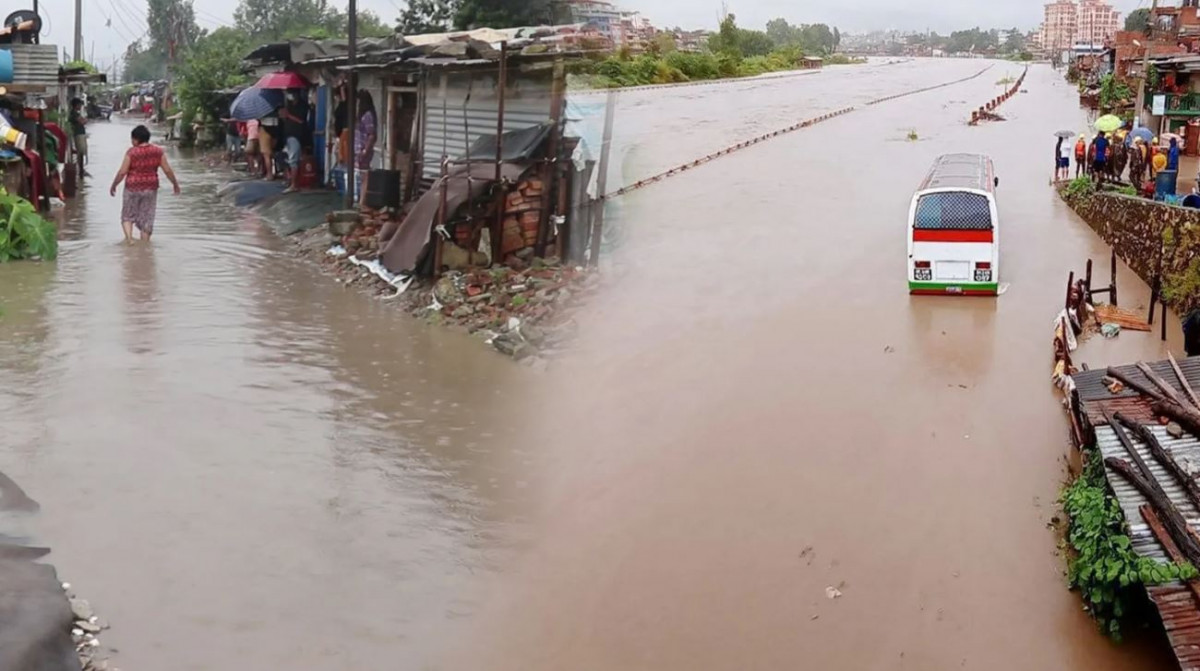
<point>401,243</point>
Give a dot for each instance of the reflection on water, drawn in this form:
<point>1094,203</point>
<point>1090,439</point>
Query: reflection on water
<point>247,466</point>
<point>229,447</point>
<point>767,413</point>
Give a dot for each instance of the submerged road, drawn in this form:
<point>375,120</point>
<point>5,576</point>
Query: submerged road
<point>245,466</point>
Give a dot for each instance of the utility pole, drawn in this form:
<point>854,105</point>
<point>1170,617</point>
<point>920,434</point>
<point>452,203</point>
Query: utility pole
<point>1141,94</point>
<point>352,101</point>
<point>78,30</point>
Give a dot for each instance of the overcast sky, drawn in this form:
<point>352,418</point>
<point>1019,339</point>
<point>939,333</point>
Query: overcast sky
<point>128,17</point>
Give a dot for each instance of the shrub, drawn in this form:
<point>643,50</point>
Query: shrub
<point>24,234</point>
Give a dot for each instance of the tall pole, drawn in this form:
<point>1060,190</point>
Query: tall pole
<point>78,30</point>
<point>1141,94</point>
<point>352,101</point>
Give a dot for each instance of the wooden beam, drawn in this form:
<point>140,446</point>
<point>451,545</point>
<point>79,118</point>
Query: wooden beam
<point>1166,511</point>
<point>1183,381</point>
<point>1164,538</point>
<point>1165,458</point>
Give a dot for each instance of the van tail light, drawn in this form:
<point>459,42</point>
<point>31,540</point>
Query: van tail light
<point>983,271</point>
<point>921,264</point>
<point>983,265</point>
<point>922,271</point>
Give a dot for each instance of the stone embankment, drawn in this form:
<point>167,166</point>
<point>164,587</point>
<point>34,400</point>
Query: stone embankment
<point>1160,242</point>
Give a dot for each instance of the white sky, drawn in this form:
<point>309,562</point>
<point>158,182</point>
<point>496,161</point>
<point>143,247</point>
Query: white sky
<point>128,17</point>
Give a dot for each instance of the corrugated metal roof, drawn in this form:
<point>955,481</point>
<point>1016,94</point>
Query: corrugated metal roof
<point>1175,602</point>
<point>34,64</point>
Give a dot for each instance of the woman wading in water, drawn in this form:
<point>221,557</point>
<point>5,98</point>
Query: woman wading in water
<point>140,173</point>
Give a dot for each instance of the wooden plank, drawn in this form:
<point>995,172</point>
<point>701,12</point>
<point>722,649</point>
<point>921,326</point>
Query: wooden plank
<point>1183,381</point>
<point>1160,532</point>
<point>1165,458</point>
<point>1167,389</point>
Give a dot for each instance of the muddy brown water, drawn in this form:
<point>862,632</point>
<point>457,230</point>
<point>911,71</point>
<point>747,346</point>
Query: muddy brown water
<point>245,466</point>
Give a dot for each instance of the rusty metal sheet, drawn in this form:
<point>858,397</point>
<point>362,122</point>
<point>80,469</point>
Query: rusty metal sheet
<point>1175,602</point>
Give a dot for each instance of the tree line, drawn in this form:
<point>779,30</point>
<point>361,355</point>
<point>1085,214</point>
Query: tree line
<point>973,40</point>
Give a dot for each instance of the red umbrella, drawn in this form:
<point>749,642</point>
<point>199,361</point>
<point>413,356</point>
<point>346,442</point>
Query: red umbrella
<point>282,80</point>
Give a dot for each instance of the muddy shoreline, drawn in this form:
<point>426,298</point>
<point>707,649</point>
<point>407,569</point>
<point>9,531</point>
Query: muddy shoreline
<point>526,312</point>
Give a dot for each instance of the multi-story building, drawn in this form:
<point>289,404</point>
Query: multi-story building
<point>1058,26</point>
<point>602,17</point>
<point>1067,24</point>
<point>1097,22</point>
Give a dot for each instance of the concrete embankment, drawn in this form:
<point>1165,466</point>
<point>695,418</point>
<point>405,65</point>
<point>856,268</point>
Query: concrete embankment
<point>1160,242</point>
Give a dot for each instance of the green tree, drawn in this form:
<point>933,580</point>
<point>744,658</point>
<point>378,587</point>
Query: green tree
<point>502,13</point>
<point>275,19</point>
<point>214,64</point>
<point>783,33</point>
<point>1138,20</point>
<point>1015,42</point>
<point>143,64</point>
<point>726,40</point>
<point>427,16</point>
<point>336,23</point>
<point>817,38</point>
<point>754,43</point>
<point>172,28</point>
<point>837,38</point>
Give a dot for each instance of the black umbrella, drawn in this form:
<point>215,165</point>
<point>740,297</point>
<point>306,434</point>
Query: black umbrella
<point>1065,134</point>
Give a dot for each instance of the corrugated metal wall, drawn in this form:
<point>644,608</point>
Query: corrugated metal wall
<point>453,122</point>
<point>34,64</point>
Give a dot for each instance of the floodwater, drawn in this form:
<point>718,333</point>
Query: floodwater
<point>245,466</point>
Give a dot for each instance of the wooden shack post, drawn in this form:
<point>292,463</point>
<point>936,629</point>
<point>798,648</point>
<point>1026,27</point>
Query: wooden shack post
<point>550,167</point>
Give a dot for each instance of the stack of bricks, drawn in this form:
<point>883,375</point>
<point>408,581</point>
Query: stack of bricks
<point>522,214</point>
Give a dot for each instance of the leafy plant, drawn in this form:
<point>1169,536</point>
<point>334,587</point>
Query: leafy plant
<point>24,234</point>
<point>1113,91</point>
<point>1103,566</point>
<point>1080,187</point>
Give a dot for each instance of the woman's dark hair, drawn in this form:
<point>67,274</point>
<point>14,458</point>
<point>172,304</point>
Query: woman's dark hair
<point>365,102</point>
<point>141,134</point>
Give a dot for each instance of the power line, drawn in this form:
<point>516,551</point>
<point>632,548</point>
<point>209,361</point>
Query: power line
<point>121,17</point>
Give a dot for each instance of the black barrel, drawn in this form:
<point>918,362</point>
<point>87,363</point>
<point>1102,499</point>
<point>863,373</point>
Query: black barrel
<point>383,189</point>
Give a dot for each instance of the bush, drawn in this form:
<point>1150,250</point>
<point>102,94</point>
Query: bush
<point>24,234</point>
<point>695,65</point>
<point>1103,567</point>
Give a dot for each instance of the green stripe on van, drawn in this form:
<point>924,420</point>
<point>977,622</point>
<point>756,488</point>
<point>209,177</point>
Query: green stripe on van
<point>948,286</point>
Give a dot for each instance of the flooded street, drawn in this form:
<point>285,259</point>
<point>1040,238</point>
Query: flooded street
<point>244,465</point>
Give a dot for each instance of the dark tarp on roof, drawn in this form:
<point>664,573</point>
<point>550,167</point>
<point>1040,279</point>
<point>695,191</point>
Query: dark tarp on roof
<point>401,243</point>
<point>519,145</point>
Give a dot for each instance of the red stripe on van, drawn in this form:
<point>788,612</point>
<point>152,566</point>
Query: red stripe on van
<point>926,235</point>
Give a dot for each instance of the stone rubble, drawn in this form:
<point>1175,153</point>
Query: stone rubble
<point>92,654</point>
<point>523,309</point>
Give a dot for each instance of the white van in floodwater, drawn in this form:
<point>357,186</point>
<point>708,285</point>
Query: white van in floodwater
<point>953,229</point>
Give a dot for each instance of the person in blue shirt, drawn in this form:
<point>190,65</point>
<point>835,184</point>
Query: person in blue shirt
<point>1100,167</point>
<point>1173,155</point>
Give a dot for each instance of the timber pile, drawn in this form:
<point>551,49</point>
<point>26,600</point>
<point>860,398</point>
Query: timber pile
<point>522,217</point>
<point>1126,319</point>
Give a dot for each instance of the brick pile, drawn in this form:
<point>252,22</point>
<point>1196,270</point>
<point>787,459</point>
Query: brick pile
<point>522,215</point>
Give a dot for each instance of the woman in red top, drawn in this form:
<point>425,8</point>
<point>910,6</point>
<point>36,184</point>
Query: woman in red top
<point>140,172</point>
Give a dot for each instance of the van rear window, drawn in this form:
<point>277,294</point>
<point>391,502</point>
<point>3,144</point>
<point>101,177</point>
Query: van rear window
<point>953,211</point>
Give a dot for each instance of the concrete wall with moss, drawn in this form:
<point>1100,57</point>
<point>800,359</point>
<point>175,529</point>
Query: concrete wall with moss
<point>1144,234</point>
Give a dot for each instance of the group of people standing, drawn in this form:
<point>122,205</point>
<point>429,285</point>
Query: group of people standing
<point>275,144</point>
<point>1108,155</point>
